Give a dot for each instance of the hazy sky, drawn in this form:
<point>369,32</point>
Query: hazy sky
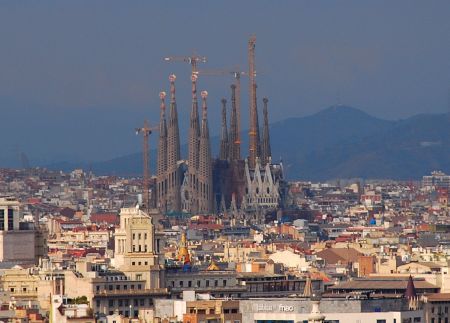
<point>77,76</point>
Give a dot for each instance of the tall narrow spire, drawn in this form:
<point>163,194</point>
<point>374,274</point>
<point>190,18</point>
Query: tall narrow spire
<point>204,165</point>
<point>162,156</point>
<point>224,134</point>
<point>194,133</point>
<point>233,145</point>
<point>266,152</point>
<point>173,152</point>
<point>253,131</point>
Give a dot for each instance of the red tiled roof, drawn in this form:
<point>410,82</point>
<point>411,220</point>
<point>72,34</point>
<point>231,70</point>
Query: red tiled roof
<point>110,218</point>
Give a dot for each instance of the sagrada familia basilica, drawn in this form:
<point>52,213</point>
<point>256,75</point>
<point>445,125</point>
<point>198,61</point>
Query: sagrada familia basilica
<point>229,183</point>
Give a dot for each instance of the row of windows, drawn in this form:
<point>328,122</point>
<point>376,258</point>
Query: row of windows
<point>24,289</point>
<point>438,309</point>
<point>123,302</point>
<point>139,248</point>
<point>139,236</point>
<point>139,263</point>
<point>214,283</point>
<point>117,287</point>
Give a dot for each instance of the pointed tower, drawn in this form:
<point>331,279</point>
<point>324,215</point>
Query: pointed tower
<point>254,141</point>
<point>194,134</point>
<point>173,153</point>
<point>161,167</point>
<point>266,152</point>
<point>411,294</point>
<point>234,146</point>
<point>204,164</point>
<point>224,134</point>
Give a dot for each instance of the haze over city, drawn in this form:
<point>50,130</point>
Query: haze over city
<point>77,77</point>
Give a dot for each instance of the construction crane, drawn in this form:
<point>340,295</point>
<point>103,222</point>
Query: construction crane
<point>253,131</point>
<point>146,130</point>
<point>236,73</point>
<point>193,60</point>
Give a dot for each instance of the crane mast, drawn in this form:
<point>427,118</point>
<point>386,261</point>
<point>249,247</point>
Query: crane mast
<point>145,131</point>
<point>253,133</point>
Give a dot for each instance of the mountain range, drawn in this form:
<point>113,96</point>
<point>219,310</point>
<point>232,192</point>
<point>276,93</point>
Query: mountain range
<point>337,142</point>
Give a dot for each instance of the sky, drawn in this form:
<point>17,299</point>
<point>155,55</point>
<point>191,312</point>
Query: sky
<point>76,77</point>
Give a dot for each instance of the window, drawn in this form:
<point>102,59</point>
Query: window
<point>111,303</point>
<point>207,283</point>
<point>381,321</point>
<point>10,219</point>
<point>181,283</point>
<point>141,302</point>
<point>117,287</point>
<point>125,287</point>
<point>2,220</point>
<point>139,236</point>
<point>98,303</point>
<point>139,286</point>
<point>132,286</point>
<point>198,283</point>
<point>136,302</point>
<point>120,302</point>
<point>224,282</point>
<point>133,263</point>
<point>110,287</point>
<point>216,283</point>
<point>189,283</point>
<point>97,288</point>
<point>139,277</point>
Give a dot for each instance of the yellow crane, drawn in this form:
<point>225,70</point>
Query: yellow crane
<point>193,60</point>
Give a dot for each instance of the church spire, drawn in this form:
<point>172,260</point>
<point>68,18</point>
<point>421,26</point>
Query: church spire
<point>162,155</point>
<point>194,134</point>
<point>204,165</point>
<point>266,152</point>
<point>173,152</point>
<point>224,134</point>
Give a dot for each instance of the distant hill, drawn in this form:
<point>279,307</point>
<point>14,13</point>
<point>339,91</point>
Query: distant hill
<point>338,142</point>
